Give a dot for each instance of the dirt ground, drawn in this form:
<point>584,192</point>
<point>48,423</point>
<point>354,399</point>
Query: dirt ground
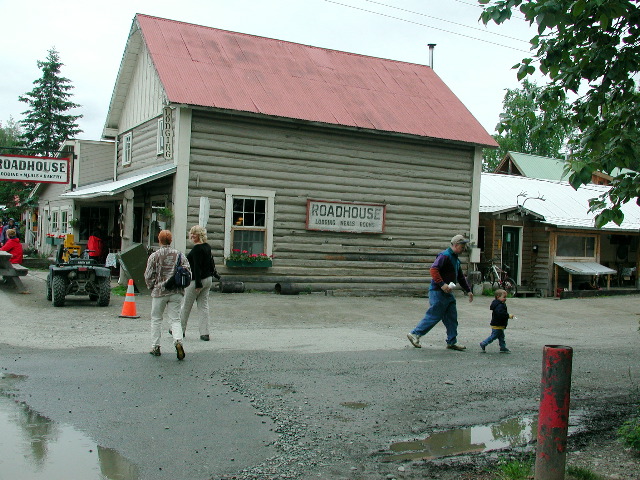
<point>316,386</point>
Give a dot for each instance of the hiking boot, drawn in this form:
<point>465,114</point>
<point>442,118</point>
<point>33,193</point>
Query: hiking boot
<point>414,339</point>
<point>456,347</point>
<point>505,350</point>
<point>179,350</point>
<point>482,346</point>
<point>155,351</point>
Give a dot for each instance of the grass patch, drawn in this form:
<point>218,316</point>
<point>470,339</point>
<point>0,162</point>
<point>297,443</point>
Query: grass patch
<point>515,470</point>
<point>629,432</point>
<point>119,291</point>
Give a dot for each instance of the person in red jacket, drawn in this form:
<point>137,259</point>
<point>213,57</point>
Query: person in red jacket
<point>95,245</point>
<point>13,246</point>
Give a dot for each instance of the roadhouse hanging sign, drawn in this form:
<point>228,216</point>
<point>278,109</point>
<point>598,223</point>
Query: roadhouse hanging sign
<point>19,168</point>
<point>345,216</point>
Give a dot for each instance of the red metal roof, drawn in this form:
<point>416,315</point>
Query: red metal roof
<point>208,67</point>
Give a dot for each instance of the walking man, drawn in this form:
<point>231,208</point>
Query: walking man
<point>442,303</point>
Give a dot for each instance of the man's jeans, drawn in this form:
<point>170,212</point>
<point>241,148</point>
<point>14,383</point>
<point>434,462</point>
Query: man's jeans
<point>442,307</point>
<point>158,305</point>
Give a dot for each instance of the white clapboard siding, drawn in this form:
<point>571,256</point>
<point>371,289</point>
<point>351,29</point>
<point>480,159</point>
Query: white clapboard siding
<point>144,148</point>
<point>426,189</point>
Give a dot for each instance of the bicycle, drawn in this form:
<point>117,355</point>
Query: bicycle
<point>500,277</point>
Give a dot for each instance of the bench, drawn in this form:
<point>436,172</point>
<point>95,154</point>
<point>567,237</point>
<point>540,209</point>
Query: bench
<point>12,271</point>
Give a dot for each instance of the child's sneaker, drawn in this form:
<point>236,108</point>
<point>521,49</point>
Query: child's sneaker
<point>505,350</point>
<point>482,346</point>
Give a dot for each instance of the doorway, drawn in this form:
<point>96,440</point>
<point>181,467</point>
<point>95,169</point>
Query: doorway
<point>511,251</point>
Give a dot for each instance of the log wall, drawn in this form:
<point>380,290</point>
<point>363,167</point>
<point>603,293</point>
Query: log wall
<point>425,186</point>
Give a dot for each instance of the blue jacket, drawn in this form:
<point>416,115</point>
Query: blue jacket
<point>446,269</point>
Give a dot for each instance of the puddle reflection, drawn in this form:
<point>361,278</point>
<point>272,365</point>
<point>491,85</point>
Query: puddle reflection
<point>37,448</point>
<point>512,432</point>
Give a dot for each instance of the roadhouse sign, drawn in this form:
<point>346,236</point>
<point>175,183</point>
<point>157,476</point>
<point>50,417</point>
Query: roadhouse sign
<point>19,168</point>
<point>345,217</point>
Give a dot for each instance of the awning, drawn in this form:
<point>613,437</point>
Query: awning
<point>110,188</point>
<point>585,268</point>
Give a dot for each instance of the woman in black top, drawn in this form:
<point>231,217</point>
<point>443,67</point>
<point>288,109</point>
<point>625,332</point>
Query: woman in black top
<point>202,269</point>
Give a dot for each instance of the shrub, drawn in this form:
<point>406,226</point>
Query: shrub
<point>629,432</point>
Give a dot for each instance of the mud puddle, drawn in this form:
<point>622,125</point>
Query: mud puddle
<point>510,433</point>
<point>37,448</point>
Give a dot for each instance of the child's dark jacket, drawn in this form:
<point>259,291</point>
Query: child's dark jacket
<point>499,315</point>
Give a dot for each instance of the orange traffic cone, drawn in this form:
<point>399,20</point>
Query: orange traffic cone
<point>129,306</point>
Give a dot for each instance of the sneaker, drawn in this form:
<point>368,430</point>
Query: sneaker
<point>482,346</point>
<point>505,350</point>
<point>204,337</point>
<point>457,347</point>
<point>414,339</point>
<point>179,350</point>
<point>155,351</point>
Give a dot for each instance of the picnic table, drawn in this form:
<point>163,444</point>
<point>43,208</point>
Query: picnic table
<point>12,271</point>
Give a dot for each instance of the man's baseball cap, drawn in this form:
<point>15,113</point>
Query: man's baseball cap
<point>458,239</point>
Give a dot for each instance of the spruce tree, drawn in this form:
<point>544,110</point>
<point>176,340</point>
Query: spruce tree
<point>46,124</point>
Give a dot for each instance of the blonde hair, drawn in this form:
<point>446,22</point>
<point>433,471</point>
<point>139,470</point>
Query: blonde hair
<point>165,237</point>
<point>200,232</point>
<point>500,293</point>
<point>11,233</point>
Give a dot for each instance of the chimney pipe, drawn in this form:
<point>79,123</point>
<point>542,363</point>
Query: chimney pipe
<point>431,47</point>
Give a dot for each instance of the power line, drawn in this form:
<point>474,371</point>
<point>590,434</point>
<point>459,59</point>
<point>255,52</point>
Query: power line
<point>427,26</point>
<point>448,21</point>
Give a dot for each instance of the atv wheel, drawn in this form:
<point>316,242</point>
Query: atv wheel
<point>58,290</point>
<point>104,292</point>
<point>49,294</point>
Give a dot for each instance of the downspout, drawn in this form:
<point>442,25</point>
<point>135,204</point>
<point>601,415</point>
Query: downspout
<point>115,159</point>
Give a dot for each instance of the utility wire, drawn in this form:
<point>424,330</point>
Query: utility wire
<point>448,21</point>
<point>428,26</point>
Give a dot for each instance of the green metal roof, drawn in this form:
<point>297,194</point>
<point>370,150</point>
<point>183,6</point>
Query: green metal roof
<point>535,166</point>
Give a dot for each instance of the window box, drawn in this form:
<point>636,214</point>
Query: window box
<point>53,240</point>
<point>245,264</point>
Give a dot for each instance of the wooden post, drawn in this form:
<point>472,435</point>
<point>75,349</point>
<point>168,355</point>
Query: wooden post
<point>553,417</point>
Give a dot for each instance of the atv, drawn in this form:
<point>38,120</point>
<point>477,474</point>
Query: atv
<point>78,276</point>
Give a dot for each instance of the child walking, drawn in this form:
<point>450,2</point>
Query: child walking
<point>499,320</point>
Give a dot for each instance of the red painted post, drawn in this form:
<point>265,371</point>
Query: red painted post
<point>553,417</point>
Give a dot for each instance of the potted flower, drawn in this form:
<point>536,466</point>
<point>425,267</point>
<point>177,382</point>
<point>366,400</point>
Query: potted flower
<point>242,258</point>
<point>74,222</point>
<point>164,213</point>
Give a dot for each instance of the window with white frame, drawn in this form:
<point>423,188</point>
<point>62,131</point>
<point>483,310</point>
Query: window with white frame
<point>126,148</point>
<point>64,221</point>
<point>249,221</point>
<point>55,221</point>
<point>160,138</point>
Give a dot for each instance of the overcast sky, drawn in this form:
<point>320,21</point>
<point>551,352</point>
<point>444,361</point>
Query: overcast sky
<point>90,37</point>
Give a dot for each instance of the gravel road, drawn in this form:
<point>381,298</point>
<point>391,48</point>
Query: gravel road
<point>314,386</point>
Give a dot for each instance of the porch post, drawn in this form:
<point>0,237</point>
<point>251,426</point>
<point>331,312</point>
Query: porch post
<point>127,229</point>
<point>181,157</point>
